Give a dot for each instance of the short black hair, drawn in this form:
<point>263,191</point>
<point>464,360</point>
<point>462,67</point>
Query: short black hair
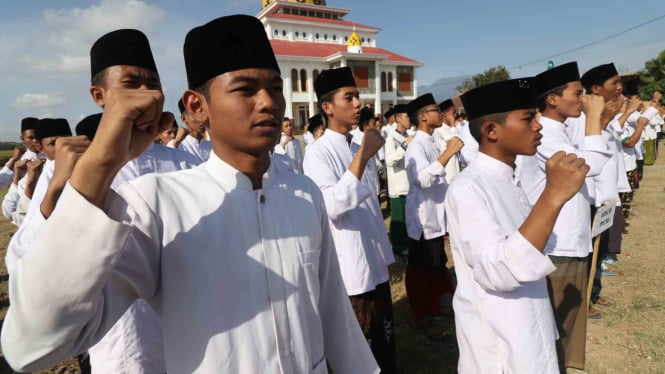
<point>541,101</point>
<point>204,89</point>
<point>99,79</point>
<point>476,123</point>
<point>327,97</point>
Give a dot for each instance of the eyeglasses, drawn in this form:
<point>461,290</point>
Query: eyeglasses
<point>437,109</point>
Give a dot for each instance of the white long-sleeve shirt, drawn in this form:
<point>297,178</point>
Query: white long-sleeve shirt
<point>356,222</point>
<point>571,235</point>
<point>398,181</point>
<point>442,136</point>
<point>293,151</point>
<point>7,174</point>
<point>239,288</point>
<point>134,343</point>
<point>201,149</point>
<point>470,149</point>
<point>427,188</point>
<point>503,315</point>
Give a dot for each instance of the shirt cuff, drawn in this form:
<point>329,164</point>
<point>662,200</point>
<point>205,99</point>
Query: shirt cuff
<point>525,261</point>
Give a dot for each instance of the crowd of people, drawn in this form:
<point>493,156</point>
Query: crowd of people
<point>228,246</point>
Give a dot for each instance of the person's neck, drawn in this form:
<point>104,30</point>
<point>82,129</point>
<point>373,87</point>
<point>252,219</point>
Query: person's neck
<point>554,115</point>
<point>401,129</point>
<point>253,166</point>
<point>339,127</point>
<point>492,150</point>
<point>196,135</point>
<point>426,128</point>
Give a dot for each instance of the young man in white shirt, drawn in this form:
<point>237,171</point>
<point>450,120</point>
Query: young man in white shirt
<point>503,316</point>
<point>398,182</point>
<point>194,142</point>
<point>560,96</point>
<point>445,133</point>
<point>30,152</point>
<point>239,288</point>
<point>290,146</point>
<point>356,222</point>
<point>427,277</point>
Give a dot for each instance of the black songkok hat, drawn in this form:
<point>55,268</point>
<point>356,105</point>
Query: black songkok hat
<point>226,44</point>
<point>366,114</point>
<point>500,97</point>
<point>557,77</point>
<point>181,106</point>
<point>47,127</point>
<point>446,104</point>
<point>330,80</point>
<point>389,113</point>
<point>121,47</point>
<point>88,125</point>
<point>401,108</point>
<point>314,122</point>
<point>28,123</point>
<point>420,102</point>
<point>598,75</point>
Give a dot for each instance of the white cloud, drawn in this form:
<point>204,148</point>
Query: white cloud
<point>69,33</point>
<point>38,100</point>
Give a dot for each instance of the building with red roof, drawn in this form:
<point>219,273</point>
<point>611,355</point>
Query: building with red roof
<point>308,37</point>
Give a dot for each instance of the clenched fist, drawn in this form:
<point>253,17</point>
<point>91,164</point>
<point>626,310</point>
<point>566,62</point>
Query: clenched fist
<point>565,174</point>
<point>372,142</point>
<point>68,151</point>
<point>454,145</point>
<point>593,105</point>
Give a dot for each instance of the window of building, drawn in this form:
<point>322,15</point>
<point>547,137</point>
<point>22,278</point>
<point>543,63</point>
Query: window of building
<point>297,34</point>
<point>304,34</point>
<point>325,36</point>
<point>317,36</point>
<point>383,82</point>
<point>303,80</point>
<point>303,12</point>
<point>369,40</point>
<point>404,83</point>
<point>310,13</point>
<point>315,74</point>
<point>286,11</point>
<point>294,80</point>
<point>276,32</point>
<point>326,15</point>
<point>361,74</point>
<point>319,14</point>
<point>346,39</point>
<point>334,16</point>
<point>362,40</point>
<point>390,81</point>
<point>284,33</point>
<point>334,37</point>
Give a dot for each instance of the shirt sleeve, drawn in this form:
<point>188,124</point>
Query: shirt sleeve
<point>10,201</point>
<point>592,148</point>
<point>394,151</point>
<point>6,176</point>
<point>499,261</point>
<point>346,349</point>
<point>340,195</point>
<point>420,170</point>
<point>101,265</point>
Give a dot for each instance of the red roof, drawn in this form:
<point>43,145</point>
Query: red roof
<point>323,50</point>
<point>319,20</point>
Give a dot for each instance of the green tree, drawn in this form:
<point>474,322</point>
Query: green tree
<point>652,77</point>
<point>491,75</point>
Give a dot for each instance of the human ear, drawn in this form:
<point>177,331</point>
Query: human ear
<point>97,94</point>
<point>196,105</point>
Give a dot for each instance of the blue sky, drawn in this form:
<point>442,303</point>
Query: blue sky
<point>44,66</point>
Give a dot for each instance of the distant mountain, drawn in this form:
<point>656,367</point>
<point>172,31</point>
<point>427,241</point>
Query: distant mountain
<point>443,88</point>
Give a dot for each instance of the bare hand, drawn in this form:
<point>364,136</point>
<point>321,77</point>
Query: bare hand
<point>409,139</point>
<point>454,145</point>
<point>68,151</point>
<point>18,152</point>
<point>372,142</point>
<point>131,120</point>
<point>20,169</point>
<point>593,105</point>
<point>565,175</point>
<point>181,134</point>
<point>35,169</point>
<point>632,104</point>
<point>611,109</point>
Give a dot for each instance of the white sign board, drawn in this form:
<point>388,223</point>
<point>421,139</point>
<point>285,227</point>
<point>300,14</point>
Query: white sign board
<point>604,218</point>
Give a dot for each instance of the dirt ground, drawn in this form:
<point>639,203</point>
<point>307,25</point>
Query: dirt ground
<point>629,338</point>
